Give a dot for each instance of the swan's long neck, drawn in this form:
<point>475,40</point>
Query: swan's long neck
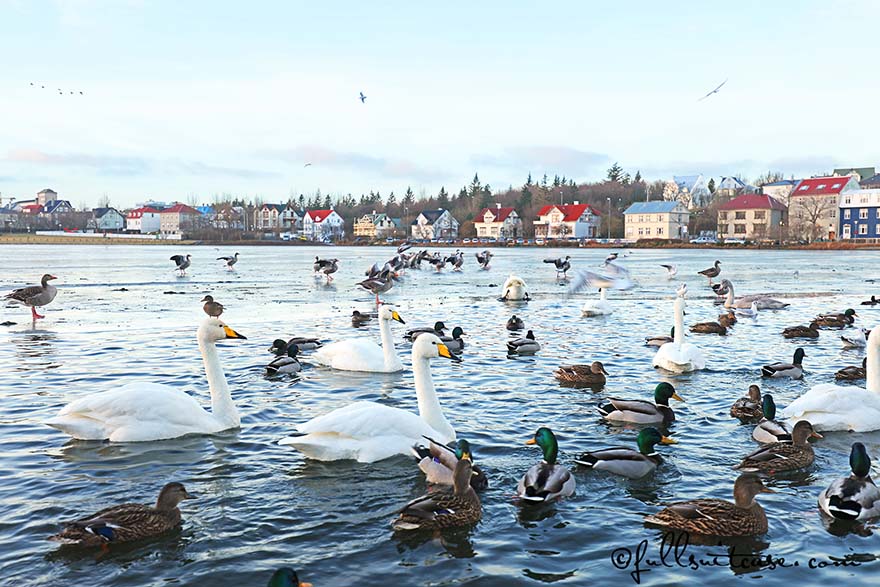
<point>873,362</point>
<point>728,303</point>
<point>679,321</point>
<point>391,360</point>
<point>603,294</point>
<point>222,406</point>
<point>429,406</point>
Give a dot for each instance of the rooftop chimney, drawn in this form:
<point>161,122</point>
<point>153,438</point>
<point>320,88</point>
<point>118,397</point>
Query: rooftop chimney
<point>576,202</point>
<point>498,205</point>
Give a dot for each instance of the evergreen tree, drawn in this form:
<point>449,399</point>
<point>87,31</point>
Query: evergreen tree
<point>544,181</point>
<point>638,177</point>
<point>625,179</point>
<point>556,181</point>
<point>302,202</point>
<point>525,198</point>
<point>615,172</point>
<point>391,202</point>
<point>442,198</point>
<point>409,197</point>
<point>529,180</point>
<point>475,188</point>
<point>328,203</point>
<point>711,185</point>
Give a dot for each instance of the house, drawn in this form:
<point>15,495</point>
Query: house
<point>29,207</point>
<point>568,221</point>
<point>813,205</point>
<point>178,219</point>
<point>859,173</point>
<point>781,190</point>
<point>860,214</point>
<point>376,225</point>
<point>753,217</point>
<point>46,195</point>
<point>659,220</point>
<point>431,224</point>
<point>228,217</point>
<point>871,182</point>
<point>731,187</point>
<point>144,220</point>
<point>292,220</point>
<point>269,217</point>
<point>57,207</point>
<point>8,218</point>
<point>107,220</point>
<point>323,225</point>
<point>498,222</point>
<point>690,190</point>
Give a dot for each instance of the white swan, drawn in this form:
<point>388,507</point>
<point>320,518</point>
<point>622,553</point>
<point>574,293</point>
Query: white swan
<point>843,407</point>
<point>764,302</point>
<point>361,354</point>
<point>369,431</point>
<point>600,307</point>
<point>514,290</point>
<point>149,411</point>
<point>679,356</point>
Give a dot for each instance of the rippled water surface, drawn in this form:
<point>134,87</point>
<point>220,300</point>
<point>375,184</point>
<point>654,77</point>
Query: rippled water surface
<point>122,316</point>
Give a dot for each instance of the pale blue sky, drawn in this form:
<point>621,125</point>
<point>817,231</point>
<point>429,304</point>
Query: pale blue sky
<point>192,97</point>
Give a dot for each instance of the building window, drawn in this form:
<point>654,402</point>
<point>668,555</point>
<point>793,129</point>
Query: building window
<point>820,186</point>
<point>833,213</point>
<point>740,215</point>
<point>878,214</point>
<point>863,213</point>
<point>846,214</point>
<point>660,231</point>
<point>739,228</point>
<point>863,229</point>
<point>877,229</point>
<point>760,214</point>
<point>721,215</point>
<point>846,199</point>
<point>641,231</point>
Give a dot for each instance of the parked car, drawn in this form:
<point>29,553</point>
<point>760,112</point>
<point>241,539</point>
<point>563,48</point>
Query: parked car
<point>466,241</point>
<point>734,241</point>
<point>704,240</point>
<point>539,242</point>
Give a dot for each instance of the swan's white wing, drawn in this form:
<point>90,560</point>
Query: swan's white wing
<point>837,407</point>
<point>356,354</point>
<point>672,357</point>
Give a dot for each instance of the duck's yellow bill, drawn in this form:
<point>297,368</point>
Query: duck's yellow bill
<point>531,441</point>
<point>667,440</point>
<point>676,396</point>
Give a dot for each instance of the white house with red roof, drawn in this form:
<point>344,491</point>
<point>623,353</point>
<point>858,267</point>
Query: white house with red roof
<point>498,222</point>
<point>178,219</point>
<point>323,225</point>
<point>144,220</point>
<point>813,206</point>
<point>568,221</point>
<point>752,217</point>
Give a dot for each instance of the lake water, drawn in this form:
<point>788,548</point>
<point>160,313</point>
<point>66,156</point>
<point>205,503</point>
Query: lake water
<point>262,505</point>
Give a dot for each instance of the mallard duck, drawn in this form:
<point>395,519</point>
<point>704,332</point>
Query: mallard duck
<point>716,517</point>
<point>783,456</point>
<point>853,372</point>
<point>437,461</point>
<point>836,320</point>
<point>641,411</point>
<point>444,509</point>
<point>872,302</point>
<point>593,374</point>
<point>854,497</point>
<point>811,331</point>
<point>709,328</point>
<point>279,346</point>
<point>126,522</point>
<point>547,480</point>
<point>659,340</point>
<point>515,323</point>
<point>286,577</point>
<point>454,343</point>
<point>526,345</point>
<point>768,429</point>
<point>795,370</point>
<point>439,329</point>
<point>727,320</point>
<point>211,307</point>
<point>359,318</point>
<point>859,340</point>
<point>748,408</point>
<point>285,364</point>
<point>626,461</point>
<point>711,272</point>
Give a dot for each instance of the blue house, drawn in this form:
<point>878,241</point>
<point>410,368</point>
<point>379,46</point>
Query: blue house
<point>860,214</point>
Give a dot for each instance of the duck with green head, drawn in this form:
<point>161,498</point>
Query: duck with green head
<point>839,320</point>
<point>660,340</point>
<point>795,369</point>
<point>783,456</point>
<point>854,497</point>
<point>626,461</point>
<point>768,429</point>
<point>286,577</point>
<point>454,343</point>
<point>641,411</point>
<point>547,480</point>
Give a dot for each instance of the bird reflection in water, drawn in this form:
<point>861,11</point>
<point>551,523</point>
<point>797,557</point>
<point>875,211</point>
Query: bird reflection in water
<point>36,350</point>
<point>456,542</point>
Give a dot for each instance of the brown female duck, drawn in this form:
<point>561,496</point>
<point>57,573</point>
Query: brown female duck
<point>783,456</point>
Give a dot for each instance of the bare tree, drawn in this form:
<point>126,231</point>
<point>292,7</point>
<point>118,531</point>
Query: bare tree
<point>809,213</point>
<point>104,201</point>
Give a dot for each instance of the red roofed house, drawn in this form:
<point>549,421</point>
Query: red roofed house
<point>498,222</point>
<point>323,225</point>
<point>144,220</point>
<point>752,217</point>
<point>813,206</point>
<point>568,221</point>
<point>178,219</point>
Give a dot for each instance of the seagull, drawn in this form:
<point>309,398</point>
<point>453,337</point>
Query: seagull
<point>307,165</point>
<point>182,263</point>
<point>715,91</point>
<point>617,278</point>
<point>671,270</point>
<point>682,290</point>
<point>750,312</point>
<point>362,98</point>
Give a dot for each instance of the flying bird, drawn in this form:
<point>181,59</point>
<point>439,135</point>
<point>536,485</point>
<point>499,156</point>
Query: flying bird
<point>715,91</point>
<point>307,165</point>
<point>362,98</point>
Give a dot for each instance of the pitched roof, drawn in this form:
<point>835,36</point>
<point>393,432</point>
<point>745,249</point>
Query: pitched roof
<point>319,215</point>
<point>781,182</point>
<point>430,215</point>
<point>180,209</point>
<point>52,205</point>
<point>47,191</point>
<point>500,214</point>
<point>655,207</point>
<point>572,211</point>
<point>31,208</point>
<point>279,207</point>
<point>686,181</point>
<point>99,212</point>
<point>820,186</point>
<point>141,211</point>
<point>862,171</point>
<point>872,181</point>
<point>753,202</point>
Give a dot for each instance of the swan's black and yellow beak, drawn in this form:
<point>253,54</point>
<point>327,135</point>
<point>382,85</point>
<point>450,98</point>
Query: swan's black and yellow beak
<point>444,351</point>
<point>396,316</point>
<point>667,440</point>
<point>230,333</point>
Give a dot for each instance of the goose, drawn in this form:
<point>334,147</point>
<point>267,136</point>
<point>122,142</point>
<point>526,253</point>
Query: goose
<point>844,407</point>
<point>437,461</point>
<point>212,308</point>
<point>717,517</point>
<point>360,318</point>
<point>285,364</point>
<point>444,509</point>
<point>671,271</point>
<point>514,290</point>
<point>855,341</point>
<point>438,261</point>
<point>811,331</point>
<point>526,345</point>
<point>711,272</point>
<point>592,374</point>
<point>484,258</point>
<point>626,461</point>
<point>872,302</point>
<point>750,312</point>
<point>326,266</point>
<point>854,497</point>
<point>768,429</point>
<point>454,342</point>
<point>852,372</point>
<point>35,295</point>
<point>362,354</point>
<point>515,323</point>
<point>379,284</point>
<point>840,320</point>
<point>708,328</point>
<point>439,329</point>
<point>795,369</point>
<point>748,408</point>
<point>140,412</point>
<point>763,302</point>
<point>783,456</point>
<point>562,265</point>
<point>456,260</point>
<point>547,480</point>
<point>679,356</point>
<point>600,307</point>
<point>286,576</point>
<point>127,522</point>
<point>229,261</point>
<point>660,340</point>
<point>370,431</point>
<point>641,411</point>
<point>182,262</point>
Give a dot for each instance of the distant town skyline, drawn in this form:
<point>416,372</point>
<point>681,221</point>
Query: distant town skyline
<point>262,100</point>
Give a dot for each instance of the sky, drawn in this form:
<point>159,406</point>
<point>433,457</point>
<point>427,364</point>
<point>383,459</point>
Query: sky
<point>193,99</point>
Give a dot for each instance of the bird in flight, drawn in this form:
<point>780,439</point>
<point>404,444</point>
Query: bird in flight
<point>363,98</point>
<point>715,91</point>
<point>307,165</point>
